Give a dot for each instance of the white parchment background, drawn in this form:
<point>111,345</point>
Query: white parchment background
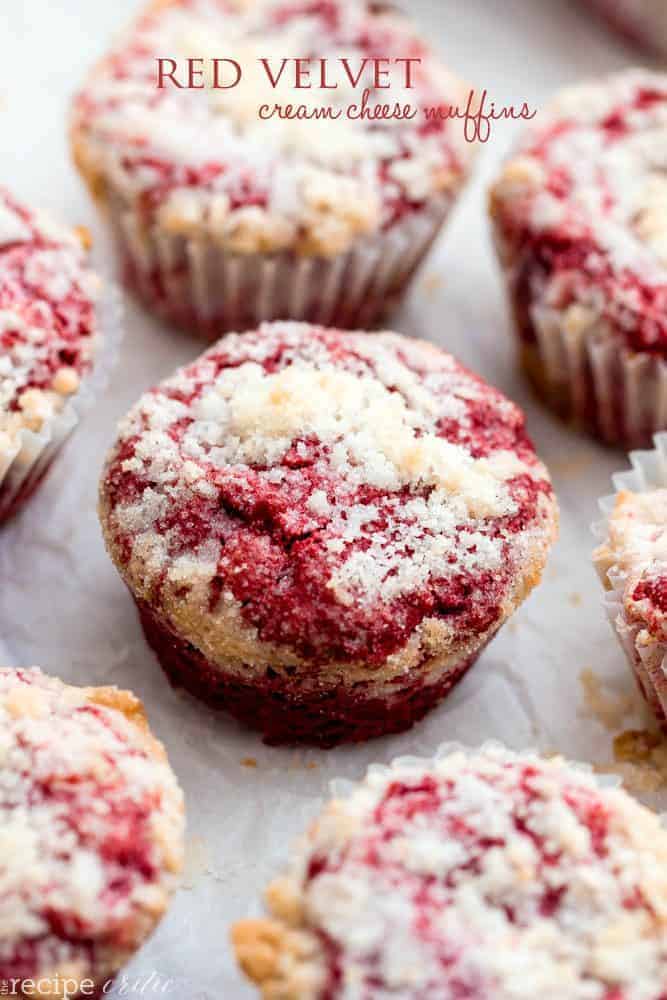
<point>62,605</point>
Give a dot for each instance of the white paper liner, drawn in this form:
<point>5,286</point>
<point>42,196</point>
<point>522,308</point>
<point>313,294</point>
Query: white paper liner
<point>342,788</point>
<point>194,283</point>
<point>593,381</point>
<point>21,470</point>
<point>647,658</point>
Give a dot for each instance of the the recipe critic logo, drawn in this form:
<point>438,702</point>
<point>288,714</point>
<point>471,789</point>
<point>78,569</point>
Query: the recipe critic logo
<point>366,75</point>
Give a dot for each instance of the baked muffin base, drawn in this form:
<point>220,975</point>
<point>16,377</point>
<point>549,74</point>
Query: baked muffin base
<point>195,285</point>
<point>590,381</point>
<point>279,708</point>
<point>318,621</point>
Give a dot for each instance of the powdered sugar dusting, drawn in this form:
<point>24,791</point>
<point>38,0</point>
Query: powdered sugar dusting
<point>47,320</point>
<point>373,468</point>
<point>635,553</point>
<point>92,829</point>
<point>477,875</point>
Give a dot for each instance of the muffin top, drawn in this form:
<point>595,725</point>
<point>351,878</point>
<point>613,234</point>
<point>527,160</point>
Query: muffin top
<point>635,556</point>
<point>585,196</point>
<point>92,828</point>
<point>305,494</point>
<point>202,159</point>
<point>478,875</point>
<point>47,320</point>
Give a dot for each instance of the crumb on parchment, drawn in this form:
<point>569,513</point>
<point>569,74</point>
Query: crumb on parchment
<point>570,468</point>
<point>640,755</point>
<point>197,861</point>
<point>432,283</point>
<point>610,708</point>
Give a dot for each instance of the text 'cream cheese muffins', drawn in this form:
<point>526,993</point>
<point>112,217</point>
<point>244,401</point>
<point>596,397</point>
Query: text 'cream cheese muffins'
<point>224,217</point>
<point>59,327</point>
<point>484,875</point>
<point>91,838</point>
<point>632,563</point>
<point>580,220</point>
<point>322,530</point>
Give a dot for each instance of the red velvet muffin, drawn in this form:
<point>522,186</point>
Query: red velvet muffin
<point>322,530</point>
<point>579,215</point>
<point>484,876</point>
<point>51,335</point>
<point>92,834</point>
<point>226,213</point>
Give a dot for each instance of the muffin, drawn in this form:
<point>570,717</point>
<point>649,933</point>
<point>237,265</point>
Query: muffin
<point>322,530</point>
<point>631,561</point>
<point>53,321</point>
<point>477,874</point>
<point>579,220</point>
<point>225,217</point>
<point>92,834</point>
<point>641,21</point>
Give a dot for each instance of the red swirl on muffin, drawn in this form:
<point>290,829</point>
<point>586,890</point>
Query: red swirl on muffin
<point>579,214</point>
<point>92,832</point>
<point>330,523</point>
<point>476,875</point>
<point>48,330</point>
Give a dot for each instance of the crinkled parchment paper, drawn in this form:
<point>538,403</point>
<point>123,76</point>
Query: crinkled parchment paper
<point>63,607</point>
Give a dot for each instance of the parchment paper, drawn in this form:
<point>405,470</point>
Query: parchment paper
<point>63,607</point>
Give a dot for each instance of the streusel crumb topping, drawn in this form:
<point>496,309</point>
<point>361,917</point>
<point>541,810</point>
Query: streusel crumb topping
<point>339,488</point>
<point>92,828</point>
<point>477,875</point>
<point>202,161</point>
<point>582,209</point>
<point>47,321</point>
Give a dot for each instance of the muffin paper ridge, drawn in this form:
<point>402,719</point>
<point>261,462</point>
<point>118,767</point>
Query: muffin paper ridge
<point>208,290</point>
<point>628,391</point>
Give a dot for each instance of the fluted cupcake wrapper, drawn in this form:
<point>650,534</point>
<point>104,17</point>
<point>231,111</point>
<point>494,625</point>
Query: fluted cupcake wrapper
<point>195,284</point>
<point>342,788</point>
<point>646,656</point>
<point>22,469</point>
<point>590,380</point>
